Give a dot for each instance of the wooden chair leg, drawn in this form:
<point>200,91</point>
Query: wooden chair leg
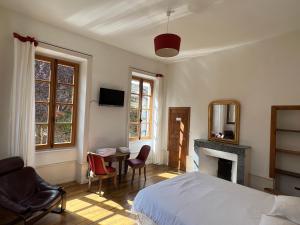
<point>100,186</point>
<point>133,172</point>
<point>90,183</point>
<point>140,171</point>
<point>115,180</point>
<point>145,172</point>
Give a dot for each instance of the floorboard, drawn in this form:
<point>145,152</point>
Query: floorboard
<point>113,207</point>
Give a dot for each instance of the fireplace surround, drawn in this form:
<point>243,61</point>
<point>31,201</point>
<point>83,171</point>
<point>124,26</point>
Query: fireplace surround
<point>209,153</point>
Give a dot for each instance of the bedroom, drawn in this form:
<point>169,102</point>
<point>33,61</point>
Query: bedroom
<point>246,51</point>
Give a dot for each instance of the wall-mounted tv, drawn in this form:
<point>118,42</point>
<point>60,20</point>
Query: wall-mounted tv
<point>111,97</point>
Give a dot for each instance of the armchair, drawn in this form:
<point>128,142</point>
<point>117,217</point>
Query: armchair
<point>24,194</point>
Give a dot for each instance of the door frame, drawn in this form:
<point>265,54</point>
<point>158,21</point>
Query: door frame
<point>188,126</point>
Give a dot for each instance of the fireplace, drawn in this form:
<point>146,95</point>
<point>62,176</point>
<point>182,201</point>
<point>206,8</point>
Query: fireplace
<point>227,161</point>
<point>224,169</point>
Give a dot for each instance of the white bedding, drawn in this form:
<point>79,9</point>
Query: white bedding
<point>199,199</point>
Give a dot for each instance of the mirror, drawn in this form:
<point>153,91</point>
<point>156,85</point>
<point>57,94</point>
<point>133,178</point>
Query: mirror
<point>224,121</point>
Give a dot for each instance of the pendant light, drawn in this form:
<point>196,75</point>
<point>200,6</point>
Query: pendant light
<point>167,44</point>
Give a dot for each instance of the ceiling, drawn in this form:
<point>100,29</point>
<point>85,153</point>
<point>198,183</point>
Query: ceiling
<point>205,26</point>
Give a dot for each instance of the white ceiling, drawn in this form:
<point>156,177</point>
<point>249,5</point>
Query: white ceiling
<point>205,26</point>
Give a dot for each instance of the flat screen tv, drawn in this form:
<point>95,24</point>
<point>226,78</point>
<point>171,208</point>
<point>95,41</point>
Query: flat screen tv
<point>111,97</point>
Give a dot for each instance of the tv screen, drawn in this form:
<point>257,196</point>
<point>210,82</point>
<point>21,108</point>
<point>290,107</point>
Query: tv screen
<point>111,97</point>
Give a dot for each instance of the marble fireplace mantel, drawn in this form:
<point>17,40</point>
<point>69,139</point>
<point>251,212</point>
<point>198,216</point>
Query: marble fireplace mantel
<point>239,154</point>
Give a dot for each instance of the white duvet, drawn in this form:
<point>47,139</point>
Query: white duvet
<point>198,199</point>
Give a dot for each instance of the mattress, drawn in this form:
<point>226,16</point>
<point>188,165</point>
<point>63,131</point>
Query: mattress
<point>199,199</point>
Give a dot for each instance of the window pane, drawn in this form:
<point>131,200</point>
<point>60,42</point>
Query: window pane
<point>65,74</point>
<point>42,70</point>
<point>145,130</point>
<point>41,134</point>
<point>133,131</point>
<point>134,115</point>
<point>63,113</point>
<point>146,88</point>
<point>62,133</point>
<point>42,91</point>
<point>134,101</point>
<point>146,102</point>
<point>41,113</point>
<point>145,116</point>
<point>64,93</point>
<point>135,86</point>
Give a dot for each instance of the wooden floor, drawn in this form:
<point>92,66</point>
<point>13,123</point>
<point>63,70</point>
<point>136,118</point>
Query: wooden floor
<point>113,208</point>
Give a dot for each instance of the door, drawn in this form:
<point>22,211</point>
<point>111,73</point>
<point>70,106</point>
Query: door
<point>178,136</point>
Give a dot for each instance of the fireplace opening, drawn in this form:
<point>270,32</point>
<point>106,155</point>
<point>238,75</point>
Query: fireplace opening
<point>224,169</point>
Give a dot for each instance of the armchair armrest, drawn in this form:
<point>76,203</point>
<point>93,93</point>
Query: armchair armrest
<point>12,206</point>
<point>43,185</point>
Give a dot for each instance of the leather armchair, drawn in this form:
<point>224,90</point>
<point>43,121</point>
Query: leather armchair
<point>25,194</point>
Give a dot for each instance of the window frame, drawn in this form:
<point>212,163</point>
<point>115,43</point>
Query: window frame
<point>140,108</point>
<point>52,102</point>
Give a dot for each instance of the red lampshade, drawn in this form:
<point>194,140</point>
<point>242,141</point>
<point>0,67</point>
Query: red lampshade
<point>167,45</point>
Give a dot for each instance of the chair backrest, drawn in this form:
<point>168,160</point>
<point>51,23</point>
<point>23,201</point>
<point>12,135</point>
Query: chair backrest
<point>10,165</point>
<point>17,182</point>
<point>96,164</point>
<point>144,152</point>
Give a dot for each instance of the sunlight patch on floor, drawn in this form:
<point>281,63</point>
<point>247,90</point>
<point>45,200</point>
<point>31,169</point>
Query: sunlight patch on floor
<point>76,204</point>
<point>95,197</point>
<point>130,202</point>
<point>94,213</point>
<point>113,204</point>
<point>168,175</point>
<point>117,220</point>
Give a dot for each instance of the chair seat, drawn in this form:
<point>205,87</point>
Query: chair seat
<point>109,169</point>
<point>136,163</point>
<point>42,200</point>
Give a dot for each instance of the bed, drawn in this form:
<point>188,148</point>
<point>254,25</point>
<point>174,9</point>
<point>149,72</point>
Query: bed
<point>199,199</point>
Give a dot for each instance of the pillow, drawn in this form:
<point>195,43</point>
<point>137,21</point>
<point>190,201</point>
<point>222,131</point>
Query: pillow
<point>273,220</point>
<point>288,207</point>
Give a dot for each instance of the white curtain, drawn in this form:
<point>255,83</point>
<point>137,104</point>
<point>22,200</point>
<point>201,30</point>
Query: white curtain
<point>22,103</point>
<point>158,154</point>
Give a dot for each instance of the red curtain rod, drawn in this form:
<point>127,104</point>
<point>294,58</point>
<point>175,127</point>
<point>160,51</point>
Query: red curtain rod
<point>25,39</point>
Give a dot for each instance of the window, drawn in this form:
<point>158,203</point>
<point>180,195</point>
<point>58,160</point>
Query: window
<point>56,84</point>
<point>140,109</point>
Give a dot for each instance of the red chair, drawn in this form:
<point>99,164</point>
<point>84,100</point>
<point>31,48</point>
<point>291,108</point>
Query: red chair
<point>98,169</point>
<point>139,162</point>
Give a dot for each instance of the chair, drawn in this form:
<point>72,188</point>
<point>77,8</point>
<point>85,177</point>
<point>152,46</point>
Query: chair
<point>98,169</point>
<point>25,195</point>
<point>139,162</point>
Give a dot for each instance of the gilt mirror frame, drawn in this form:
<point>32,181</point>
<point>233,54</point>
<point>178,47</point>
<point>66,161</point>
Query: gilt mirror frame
<point>236,123</point>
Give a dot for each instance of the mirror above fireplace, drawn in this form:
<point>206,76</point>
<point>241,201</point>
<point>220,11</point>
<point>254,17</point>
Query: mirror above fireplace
<point>224,121</point>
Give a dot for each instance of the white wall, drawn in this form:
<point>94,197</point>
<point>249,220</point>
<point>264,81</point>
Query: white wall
<point>257,75</point>
<point>110,68</point>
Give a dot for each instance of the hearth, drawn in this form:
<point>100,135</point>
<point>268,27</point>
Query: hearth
<point>224,169</point>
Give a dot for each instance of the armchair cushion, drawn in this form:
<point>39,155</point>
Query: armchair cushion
<point>42,200</point>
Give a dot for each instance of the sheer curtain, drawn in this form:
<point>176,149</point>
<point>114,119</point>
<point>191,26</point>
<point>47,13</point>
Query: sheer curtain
<point>158,154</point>
<point>22,103</point>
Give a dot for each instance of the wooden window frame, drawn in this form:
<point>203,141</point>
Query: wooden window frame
<point>140,108</point>
<point>52,103</point>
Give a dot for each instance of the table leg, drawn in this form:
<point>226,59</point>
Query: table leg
<point>120,170</point>
<point>126,165</point>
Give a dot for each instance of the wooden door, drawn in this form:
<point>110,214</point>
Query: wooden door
<point>178,136</point>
